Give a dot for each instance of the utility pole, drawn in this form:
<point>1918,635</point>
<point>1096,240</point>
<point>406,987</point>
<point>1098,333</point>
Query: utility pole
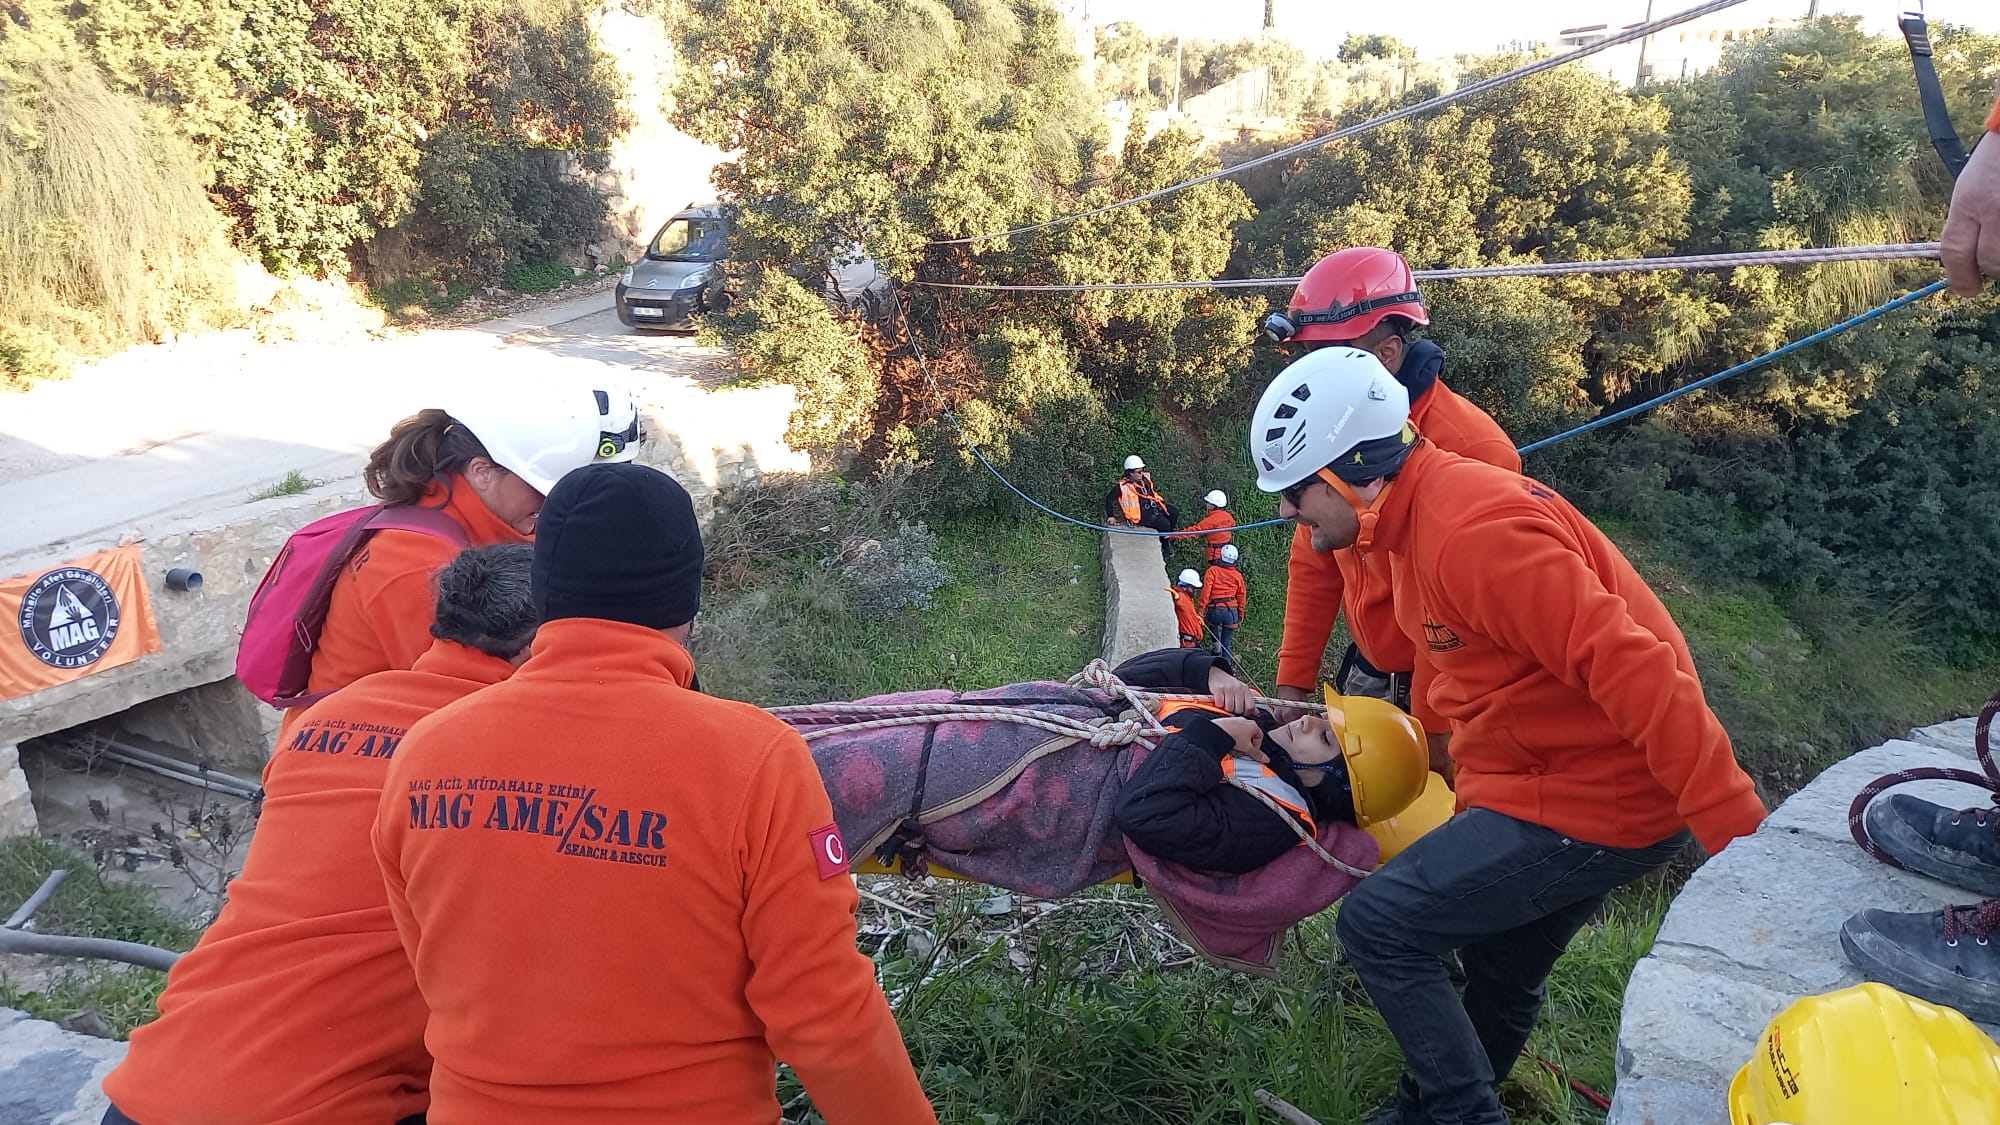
<point>1812,9</point>
<point>1271,14</point>
<point>1177,74</point>
<point>1639,78</point>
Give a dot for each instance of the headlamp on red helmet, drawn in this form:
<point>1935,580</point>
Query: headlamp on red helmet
<point>1346,294</point>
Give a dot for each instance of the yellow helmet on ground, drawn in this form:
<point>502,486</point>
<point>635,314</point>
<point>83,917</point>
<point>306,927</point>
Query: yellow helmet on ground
<point>1432,807</point>
<point>1868,1055</point>
<point>1387,756</point>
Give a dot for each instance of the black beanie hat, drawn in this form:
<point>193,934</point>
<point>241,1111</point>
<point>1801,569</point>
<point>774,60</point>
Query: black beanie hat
<point>618,542</point>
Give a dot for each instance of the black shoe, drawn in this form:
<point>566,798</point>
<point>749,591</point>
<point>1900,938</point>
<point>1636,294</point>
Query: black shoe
<point>1948,957</point>
<point>1959,846</point>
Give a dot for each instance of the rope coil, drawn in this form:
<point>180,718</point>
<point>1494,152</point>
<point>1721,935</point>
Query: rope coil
<point>1988,779</point>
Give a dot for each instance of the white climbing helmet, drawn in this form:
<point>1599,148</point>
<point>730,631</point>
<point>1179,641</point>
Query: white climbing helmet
<point>1230,554</point>
<point>617,425</point>
<point>1189,578</point>
<point>1133,462</point>
<point>538,431</point>
<point>1216,498</point>
<point>1318,410</point>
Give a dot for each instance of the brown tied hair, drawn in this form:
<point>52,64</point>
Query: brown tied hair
<point>420,449</point>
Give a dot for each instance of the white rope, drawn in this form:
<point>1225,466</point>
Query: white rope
<point>1805,256</point>
<point>1630,34</point>
<point>1299,829</point>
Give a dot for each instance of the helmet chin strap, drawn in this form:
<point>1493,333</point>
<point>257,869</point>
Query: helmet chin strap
<point>1367,513</point>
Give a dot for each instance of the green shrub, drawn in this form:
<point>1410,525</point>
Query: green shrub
<point>539,277</point>
<point>106,236</point>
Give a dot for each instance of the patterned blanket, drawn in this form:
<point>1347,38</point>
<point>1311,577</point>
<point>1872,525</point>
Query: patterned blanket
<point>1015,806</point>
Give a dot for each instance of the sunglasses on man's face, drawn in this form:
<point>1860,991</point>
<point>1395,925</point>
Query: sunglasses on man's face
<point>1297,492</point>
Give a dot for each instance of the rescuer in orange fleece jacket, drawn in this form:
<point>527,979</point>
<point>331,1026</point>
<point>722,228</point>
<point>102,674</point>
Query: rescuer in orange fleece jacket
<point>1366,297</point>
<point>625,901</point>
<point>1585,750</point>
<point>298,1006</point>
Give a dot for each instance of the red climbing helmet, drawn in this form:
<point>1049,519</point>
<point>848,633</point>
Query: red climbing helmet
<point>1346,294</point>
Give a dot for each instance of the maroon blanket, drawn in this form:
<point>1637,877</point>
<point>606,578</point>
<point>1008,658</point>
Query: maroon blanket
<point>1018,807</point>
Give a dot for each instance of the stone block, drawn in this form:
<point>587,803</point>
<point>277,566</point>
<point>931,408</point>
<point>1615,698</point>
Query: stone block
<point>1772,906</point>
<point>1955,736</point>
<point>49,1076</point>
<point>1665,1101</point>
<point>1691,1021</point>
<point>1820,809</point>
<point>1138,611</point>
<point>17,806</point>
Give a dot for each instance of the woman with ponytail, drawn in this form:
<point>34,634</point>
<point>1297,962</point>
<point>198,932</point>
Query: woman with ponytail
<point>487,464</point>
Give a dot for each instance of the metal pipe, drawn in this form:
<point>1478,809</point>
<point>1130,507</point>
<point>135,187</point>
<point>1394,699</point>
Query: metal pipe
<point>208,774</point>
<point>214,781</point>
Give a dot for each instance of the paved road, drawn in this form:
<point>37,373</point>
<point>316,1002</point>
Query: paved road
<point>179,430</point>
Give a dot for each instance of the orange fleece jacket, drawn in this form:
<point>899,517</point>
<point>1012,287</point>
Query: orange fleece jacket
<point>1993,119</point>
<point>383,604</point>
<point>612,890</point>
<point>1216,523</point>
<point>1187,617</point>
<point>1572,699</point>
<point>1223,585</point>
<point>298,1004</point>
<point>1319,585</point>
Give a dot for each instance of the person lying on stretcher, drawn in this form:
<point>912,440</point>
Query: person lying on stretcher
<point>1190,802</point>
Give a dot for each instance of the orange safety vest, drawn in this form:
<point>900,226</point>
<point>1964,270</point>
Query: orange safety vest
<point>1251,773</point>
<point>1128,500</point>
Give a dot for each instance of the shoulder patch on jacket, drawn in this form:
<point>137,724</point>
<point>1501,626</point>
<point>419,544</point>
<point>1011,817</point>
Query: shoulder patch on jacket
<point>829,851</point>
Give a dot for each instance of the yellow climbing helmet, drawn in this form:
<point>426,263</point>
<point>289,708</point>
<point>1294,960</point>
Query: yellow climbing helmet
<point>1432,807</point>
<point>1387,757</point>
<point>1868,1055</point>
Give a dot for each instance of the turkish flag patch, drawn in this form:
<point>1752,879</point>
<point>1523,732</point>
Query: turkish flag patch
<point>829,851</point>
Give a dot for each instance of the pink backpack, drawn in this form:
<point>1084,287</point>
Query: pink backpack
<point>274,658</point>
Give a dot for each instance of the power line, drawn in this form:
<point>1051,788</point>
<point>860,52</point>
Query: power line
<point>1806,256</point>
<point>1637,31</point>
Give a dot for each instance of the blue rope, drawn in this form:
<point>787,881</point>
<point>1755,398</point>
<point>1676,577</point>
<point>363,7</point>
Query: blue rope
<point>1746,365</point>
<point>910,334</point>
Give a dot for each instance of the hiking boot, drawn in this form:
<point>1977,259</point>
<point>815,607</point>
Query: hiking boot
<point>1959,846</point>
<point>1948,957</point>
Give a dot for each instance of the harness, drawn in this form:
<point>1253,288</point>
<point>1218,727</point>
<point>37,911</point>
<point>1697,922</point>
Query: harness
<point>1252,775</point>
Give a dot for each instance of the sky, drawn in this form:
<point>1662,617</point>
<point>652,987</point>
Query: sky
<point>1445,27</point>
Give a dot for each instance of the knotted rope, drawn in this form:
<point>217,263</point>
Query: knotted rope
<point>1988,780</point>
<point>1141,729</point>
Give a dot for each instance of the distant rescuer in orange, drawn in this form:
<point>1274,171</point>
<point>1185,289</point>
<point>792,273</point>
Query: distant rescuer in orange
<point>624,900</point>
<point>1366,297</point>
<point>1585,751</point>
<point>1217,524</point>
<point>298,1006</point>
<point>1187,615</point>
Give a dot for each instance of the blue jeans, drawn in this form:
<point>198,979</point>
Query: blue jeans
<point>1222,621</point>
<point>1508,895</point>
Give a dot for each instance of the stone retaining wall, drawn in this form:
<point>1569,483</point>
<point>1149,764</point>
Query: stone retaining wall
<point>1138,610</point>
<point>1758,926</point>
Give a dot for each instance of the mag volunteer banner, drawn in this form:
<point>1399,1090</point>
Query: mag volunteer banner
<point>82,617</point>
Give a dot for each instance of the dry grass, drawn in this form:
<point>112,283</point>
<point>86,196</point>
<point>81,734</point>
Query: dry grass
<point>106,234</point>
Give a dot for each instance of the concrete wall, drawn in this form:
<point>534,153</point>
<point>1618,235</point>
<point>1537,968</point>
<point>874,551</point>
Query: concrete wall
<point>1138,610</point>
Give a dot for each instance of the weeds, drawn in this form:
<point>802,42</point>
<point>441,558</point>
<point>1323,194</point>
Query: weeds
<point>293,483</point>
<point>92,996</point>
<point>536,277</point>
